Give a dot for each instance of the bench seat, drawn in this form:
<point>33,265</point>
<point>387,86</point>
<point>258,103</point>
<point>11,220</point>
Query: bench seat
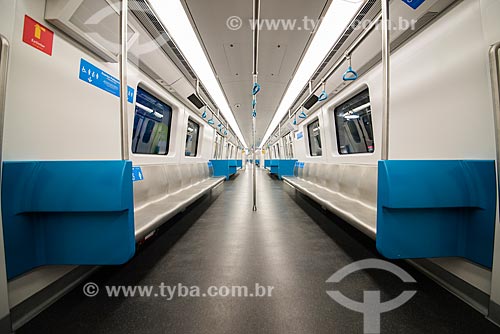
<point>167,190</point>
<point>349,191</point>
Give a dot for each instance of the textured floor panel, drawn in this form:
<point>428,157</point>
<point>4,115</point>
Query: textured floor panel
<point>280,245</point>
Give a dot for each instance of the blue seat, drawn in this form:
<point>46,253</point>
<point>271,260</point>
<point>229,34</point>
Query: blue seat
<point>226,167</point>
<point>280,167</point>
<point>67,212</point>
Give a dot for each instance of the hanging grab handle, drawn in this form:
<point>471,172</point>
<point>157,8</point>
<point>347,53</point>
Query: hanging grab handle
<point>303,115</point>
<point>204,115</point>
<point>323,96</point>
<point>255,89</point>
<point>211,121</point>
<point>350,74</point>
<point>254,113</point>
<point>254,103</point>
<point>295,121</point>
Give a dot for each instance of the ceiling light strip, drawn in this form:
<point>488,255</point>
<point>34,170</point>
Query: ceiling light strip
<point>174,18</point>
<point>337,18</point>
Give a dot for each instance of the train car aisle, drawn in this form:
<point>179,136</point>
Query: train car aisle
<point>280,249</point>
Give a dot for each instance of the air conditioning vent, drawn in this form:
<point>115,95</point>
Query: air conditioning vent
<point>311,102</point>
<point>196,101</point>
<point>145,15</point>
<point>93,23</point>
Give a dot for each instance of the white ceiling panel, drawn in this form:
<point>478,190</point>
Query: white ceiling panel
<point>230,52</point>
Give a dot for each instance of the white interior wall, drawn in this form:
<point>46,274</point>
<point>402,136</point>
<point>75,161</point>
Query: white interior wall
<point>6,30</point>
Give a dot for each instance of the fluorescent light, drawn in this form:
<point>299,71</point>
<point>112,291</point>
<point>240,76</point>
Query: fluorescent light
<point>174,18</point>
<point>351,116</point>
<point>143,107</point>
<point>364,106</point>
<point>338,16</point>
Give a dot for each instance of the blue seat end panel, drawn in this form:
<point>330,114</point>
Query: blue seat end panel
<point>429,209</point>
<point>224,168</point>
<point>281,167</point>
<point>286,168</point>
<point>67,213</point>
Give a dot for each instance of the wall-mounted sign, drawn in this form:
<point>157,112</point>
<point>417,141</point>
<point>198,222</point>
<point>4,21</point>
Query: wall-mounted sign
<point>38,36</point>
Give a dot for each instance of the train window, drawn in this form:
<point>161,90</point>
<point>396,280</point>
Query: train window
<point>313,131</point>
<point>192,135</point>
<point>353,123</point>
<point>151,134</point>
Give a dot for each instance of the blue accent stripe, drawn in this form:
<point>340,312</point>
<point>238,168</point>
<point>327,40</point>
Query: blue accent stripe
<point>67,212</point>
<point>436,209</point>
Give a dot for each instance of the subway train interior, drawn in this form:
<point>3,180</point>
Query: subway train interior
<point>249,166</point>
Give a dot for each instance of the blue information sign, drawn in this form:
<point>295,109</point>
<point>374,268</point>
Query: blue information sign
<point>414,3</point>
<point>102,80</point>
<point>137,174</point>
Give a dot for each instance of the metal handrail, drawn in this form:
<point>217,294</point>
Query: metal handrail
<point>4,60</point>
<point>386,79</point>
<point>495,83</point>
<point>125,149</point>
<point>255,72</point>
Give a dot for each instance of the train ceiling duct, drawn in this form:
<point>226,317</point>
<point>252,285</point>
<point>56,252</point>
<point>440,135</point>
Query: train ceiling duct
<point>174,18</point>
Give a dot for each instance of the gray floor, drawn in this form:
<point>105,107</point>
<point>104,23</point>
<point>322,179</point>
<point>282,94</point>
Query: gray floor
<point>281,246</point>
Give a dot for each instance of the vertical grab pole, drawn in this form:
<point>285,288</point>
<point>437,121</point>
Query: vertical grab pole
<point>280,146</point>
<point>5,324</point>
<point>494,307</point>
<point>255,26</point>
<point>254,170</point>
<point>123,80</point>
<point>386,78</point>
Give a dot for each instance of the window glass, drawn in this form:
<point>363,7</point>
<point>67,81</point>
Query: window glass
<point>192,135</point>
<point>313,131</point>
<point>151,134</point>
<point>353,122</point>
